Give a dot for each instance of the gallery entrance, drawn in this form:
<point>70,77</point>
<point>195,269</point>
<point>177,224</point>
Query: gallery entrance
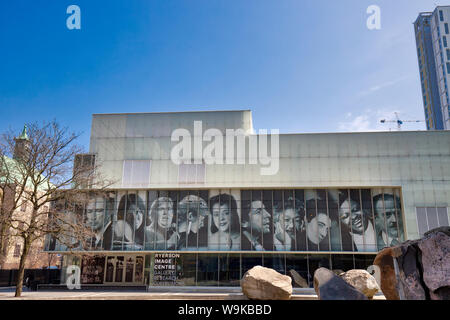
<point>124,269</point>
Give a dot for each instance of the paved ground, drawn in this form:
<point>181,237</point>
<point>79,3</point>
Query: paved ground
<point>8,294</point>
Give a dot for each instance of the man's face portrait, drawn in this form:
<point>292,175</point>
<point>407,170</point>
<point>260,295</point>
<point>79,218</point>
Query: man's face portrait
<point>290,222</point>
<point>391,226</point>
<point>317,228</point>
<point>259,216</point>
<point>196,221</point>
<point>351,215</point>
<point>164,213</point>
<point>95,213</point>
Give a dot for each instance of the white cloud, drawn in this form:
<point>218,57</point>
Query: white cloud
<point>370,120</point>
<point>383,85</point>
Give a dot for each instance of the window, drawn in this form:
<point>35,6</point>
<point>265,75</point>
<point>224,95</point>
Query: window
<point>431,217</point>
<point>191,173</point>
<point>448,68</point>
<point>136,173</point>
<point>444,39</point>
<point>441,15</point>
<point>446,28</point>
<point>23,207</point>
<point>17,251</point>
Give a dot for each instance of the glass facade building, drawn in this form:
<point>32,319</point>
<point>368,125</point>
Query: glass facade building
<point>334,200</point>
<point>432,36</point>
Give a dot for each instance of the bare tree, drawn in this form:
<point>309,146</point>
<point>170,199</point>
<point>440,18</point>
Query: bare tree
<point>42,173</point>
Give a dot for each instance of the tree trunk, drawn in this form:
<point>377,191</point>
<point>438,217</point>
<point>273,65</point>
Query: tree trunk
<point>4,243</point>
<point>23,259</point>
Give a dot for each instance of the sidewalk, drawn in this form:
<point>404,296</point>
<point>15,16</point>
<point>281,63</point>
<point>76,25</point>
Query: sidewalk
<point>108,295</point>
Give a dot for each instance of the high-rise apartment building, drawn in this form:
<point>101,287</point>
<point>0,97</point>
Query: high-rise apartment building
<point>433,51</point>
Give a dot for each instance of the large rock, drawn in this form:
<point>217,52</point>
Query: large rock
<point>418,269</point>
<point>389,285</point>
<point>436,265</point>
<point>361,280</point>
<point>330,286</point>
<point>261,283</point>
<point>298,279</point>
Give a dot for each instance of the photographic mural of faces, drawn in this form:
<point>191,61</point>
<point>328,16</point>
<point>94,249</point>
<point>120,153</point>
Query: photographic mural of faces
<point>288,223</point>
<point>257,227</point>
<point>98,216</point>
<point>357,227</point>
<point>160,230</point>
<point>129,228</point>
<point>191,227</point>
<point>388,219</point>
<point>224,231</point>
<point>362,220</point>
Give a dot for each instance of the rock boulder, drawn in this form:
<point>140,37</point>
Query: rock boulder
<point>261,283</point>
<point>330,286</point>
<point>417,269</point>
<point>361,280</point>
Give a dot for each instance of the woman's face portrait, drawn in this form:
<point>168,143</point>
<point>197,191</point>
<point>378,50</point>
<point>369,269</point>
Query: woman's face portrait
<point>164,213</point>
<point>221,216</point>
<point>317,228</point>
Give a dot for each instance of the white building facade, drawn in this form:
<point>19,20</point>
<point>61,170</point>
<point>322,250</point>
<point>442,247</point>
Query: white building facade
<point>331,199</point>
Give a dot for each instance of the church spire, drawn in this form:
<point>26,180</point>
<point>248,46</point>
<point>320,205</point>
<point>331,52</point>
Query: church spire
<point>23,135</point>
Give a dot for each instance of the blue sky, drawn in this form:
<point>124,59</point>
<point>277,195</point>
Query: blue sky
<point>299,65</point>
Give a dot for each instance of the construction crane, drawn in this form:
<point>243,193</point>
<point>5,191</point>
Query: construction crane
<point>399,122</point>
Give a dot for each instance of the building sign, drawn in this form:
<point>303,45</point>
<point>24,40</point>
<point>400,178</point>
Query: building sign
<point>165,269</point>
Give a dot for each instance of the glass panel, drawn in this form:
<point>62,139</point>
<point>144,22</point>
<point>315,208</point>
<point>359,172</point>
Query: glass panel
<point>422,220</point>
<point>432,218</point>
<point>129,269</point>
<point>267,222</point>
<point>186,269</point>
<point>208,270</point>
<point>345,222</point>
<point>300,232</point>
<point>399,215</point>
<point>138,273</point>
<point>367,221</point>
<point>147,268</point>
<point>119,269</point>
<point>119,225</point>
<point>442,217</point>
<point>342,262</point>
<point>311,222</point>
<point>323,221</point>
<point>92,270</point>
<point>363,261</point>
<point>335,230</point>
<point>297,269</point>
<point>249,261</point>
<point>316,261</point>
<point>275,261</point>
<point>109,269</point>
<point>229,270</point>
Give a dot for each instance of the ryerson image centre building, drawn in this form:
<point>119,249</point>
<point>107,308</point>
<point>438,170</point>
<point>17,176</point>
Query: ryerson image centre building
<point>199,198</point>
